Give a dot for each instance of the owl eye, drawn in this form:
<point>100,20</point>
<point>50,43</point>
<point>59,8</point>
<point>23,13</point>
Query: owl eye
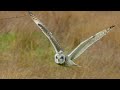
<point>56,57</point>
<point>62,57</point>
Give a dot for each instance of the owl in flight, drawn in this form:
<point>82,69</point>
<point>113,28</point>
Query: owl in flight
<point>60,57</point>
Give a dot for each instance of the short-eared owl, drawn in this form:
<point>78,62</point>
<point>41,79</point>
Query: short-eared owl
<point>60,57</point>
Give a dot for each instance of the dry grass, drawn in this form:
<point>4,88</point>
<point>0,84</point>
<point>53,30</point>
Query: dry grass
<point>26,53</point>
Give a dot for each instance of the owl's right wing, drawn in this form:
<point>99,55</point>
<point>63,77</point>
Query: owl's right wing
<point>47,33</point>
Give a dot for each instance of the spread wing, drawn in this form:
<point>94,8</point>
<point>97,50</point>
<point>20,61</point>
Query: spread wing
<point>47,33</point>
<point>87,43</point>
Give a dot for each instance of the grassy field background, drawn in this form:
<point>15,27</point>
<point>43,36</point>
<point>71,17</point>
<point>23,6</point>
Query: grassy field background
<point>26,53</point>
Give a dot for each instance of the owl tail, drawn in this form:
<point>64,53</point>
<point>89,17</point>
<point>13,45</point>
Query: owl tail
<point>71,63</point>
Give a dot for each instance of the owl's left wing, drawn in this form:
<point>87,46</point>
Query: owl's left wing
<point>87,43</point>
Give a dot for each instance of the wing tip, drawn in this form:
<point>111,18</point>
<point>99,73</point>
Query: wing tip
<point>112,26</point>
<point>30,13</point>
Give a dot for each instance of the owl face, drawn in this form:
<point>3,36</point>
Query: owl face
<point>59,58</point>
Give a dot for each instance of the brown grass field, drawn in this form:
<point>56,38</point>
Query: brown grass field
<point>25,52</point>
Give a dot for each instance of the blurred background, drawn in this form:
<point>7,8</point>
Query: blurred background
<point>25,52</point>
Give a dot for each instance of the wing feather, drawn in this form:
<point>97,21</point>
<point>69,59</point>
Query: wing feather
<point>47,33</point>
<point>87,43</point>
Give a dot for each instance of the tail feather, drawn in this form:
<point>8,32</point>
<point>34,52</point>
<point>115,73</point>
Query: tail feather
<point>71,63</point>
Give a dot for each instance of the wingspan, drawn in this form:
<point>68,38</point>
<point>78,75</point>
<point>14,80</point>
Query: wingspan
<point>87,43</point>
<point>46,32</point>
